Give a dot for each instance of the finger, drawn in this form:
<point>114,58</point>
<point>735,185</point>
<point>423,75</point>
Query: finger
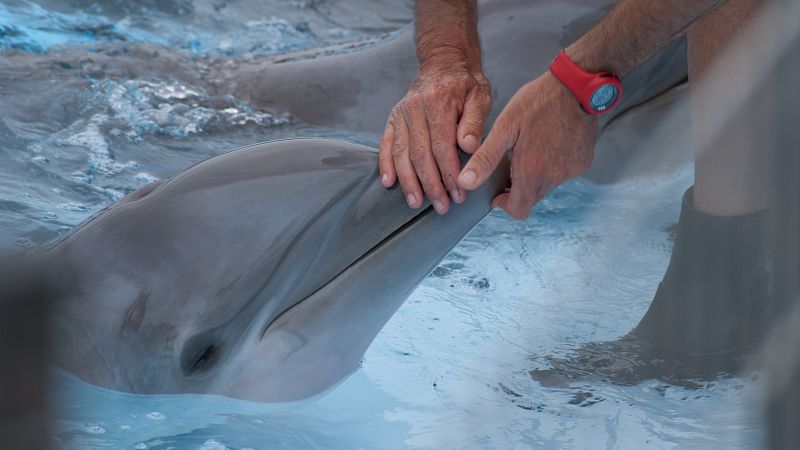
<point>519,203</point>
<point>516,204</point>
<point>402,164</point>
<point>519,206</point>
<point>470,126</point>
<point>422,157</point>
<point>500,201</point>
<point>501,138</point>
<point>385,161</point>
<point>443,144</point>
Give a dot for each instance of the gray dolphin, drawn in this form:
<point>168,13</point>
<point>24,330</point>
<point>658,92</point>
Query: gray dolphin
<point>353,86</point>
<point>261,274</point>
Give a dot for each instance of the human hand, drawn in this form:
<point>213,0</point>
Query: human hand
<point>446,105</point>
<point>551,140</point>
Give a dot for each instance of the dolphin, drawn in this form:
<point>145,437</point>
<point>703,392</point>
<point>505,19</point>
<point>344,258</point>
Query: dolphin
<point>262,274</point>
<point>353,86</point>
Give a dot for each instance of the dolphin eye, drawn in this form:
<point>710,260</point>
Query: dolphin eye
<point>199,355</point>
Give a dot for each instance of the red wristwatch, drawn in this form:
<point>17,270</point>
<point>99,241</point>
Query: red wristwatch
<point>598,93</point>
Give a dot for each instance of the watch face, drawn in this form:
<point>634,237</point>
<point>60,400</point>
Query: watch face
<point>604,97</point>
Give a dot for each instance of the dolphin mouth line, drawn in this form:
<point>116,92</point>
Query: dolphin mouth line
<point>409,223</point>
<point>201,362</point>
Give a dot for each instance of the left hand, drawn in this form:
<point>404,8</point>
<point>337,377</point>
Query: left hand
<point>551,140</point>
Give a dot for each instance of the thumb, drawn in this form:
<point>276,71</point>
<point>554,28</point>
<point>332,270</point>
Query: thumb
<point>470,126</point>
<point>487,157</point>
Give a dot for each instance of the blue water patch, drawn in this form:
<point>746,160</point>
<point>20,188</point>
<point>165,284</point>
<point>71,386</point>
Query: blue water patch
<point>30,27</point>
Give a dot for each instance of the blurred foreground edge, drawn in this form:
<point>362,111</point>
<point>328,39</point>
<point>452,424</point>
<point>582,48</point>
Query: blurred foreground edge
<point>781,357</point>
<point>25,298</point>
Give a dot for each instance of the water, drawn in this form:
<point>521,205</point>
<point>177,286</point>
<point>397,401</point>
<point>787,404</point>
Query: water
<point>89,114</point>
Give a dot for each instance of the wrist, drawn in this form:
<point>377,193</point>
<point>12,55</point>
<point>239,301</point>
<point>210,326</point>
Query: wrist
<point>566,101</point>
<point>597,58</point>
<point>448,56</point>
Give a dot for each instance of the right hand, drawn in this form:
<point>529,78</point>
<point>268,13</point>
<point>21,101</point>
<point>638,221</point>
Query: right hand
<point>446,105</point>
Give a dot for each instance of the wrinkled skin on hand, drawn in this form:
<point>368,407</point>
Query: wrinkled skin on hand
<point>445,106</point>
<point>551,140</point>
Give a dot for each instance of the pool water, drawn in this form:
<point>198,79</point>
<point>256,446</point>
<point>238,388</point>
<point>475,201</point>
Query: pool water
<point>451,368</point>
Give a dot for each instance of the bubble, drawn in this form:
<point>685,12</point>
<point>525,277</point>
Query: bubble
<point>81,177</point>
<point>95,429</point>
<point>213,444</point>
<point>155,415</point>
<point>24,242</point>
<point>145,178</point>
<point>73,206</point>
<point>225,44</point>
<point>90,136</point>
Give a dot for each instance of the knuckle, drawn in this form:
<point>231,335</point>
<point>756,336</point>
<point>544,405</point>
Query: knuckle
<point>471,125</point>
<point>482,161</point>
<point>435,111</point>
<point>386,141</point>
<point>395,112</point>
<point>417,153</point>
<point>413,105</point>
<point>398,150</point>
<point>433,95</point>
<point>441,146</point>
<point>385,155</point>
<point>486,99</point>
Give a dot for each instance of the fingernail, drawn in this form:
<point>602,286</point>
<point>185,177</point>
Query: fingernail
<point>471,141</point>
<point>455,194</point>
<point>468,179</point>
<point>411,200</point>
<point>439,207</point>
<point>385,180</point>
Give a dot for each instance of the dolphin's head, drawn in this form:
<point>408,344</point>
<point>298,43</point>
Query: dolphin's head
<point>263,273</point>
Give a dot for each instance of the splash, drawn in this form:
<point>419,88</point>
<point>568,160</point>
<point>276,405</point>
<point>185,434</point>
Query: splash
<point>139,107</point>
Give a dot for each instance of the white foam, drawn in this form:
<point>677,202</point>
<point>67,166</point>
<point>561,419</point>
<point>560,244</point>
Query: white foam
<point>155,415</point>
<point>213,444</point>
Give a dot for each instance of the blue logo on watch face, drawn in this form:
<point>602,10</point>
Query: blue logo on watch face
<point>604,97</point>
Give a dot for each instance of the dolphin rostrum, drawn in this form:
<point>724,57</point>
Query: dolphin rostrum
<point>263,274</point>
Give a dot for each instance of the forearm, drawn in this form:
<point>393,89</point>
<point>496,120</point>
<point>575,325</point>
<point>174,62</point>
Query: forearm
<point>634,31</point>
<point>446,32</point>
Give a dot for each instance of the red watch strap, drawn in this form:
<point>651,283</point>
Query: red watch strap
<point>585,85</point>
<point>570,74</point>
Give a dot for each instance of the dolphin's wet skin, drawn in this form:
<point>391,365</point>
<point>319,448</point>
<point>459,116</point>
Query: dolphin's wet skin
<point>277,292</point>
